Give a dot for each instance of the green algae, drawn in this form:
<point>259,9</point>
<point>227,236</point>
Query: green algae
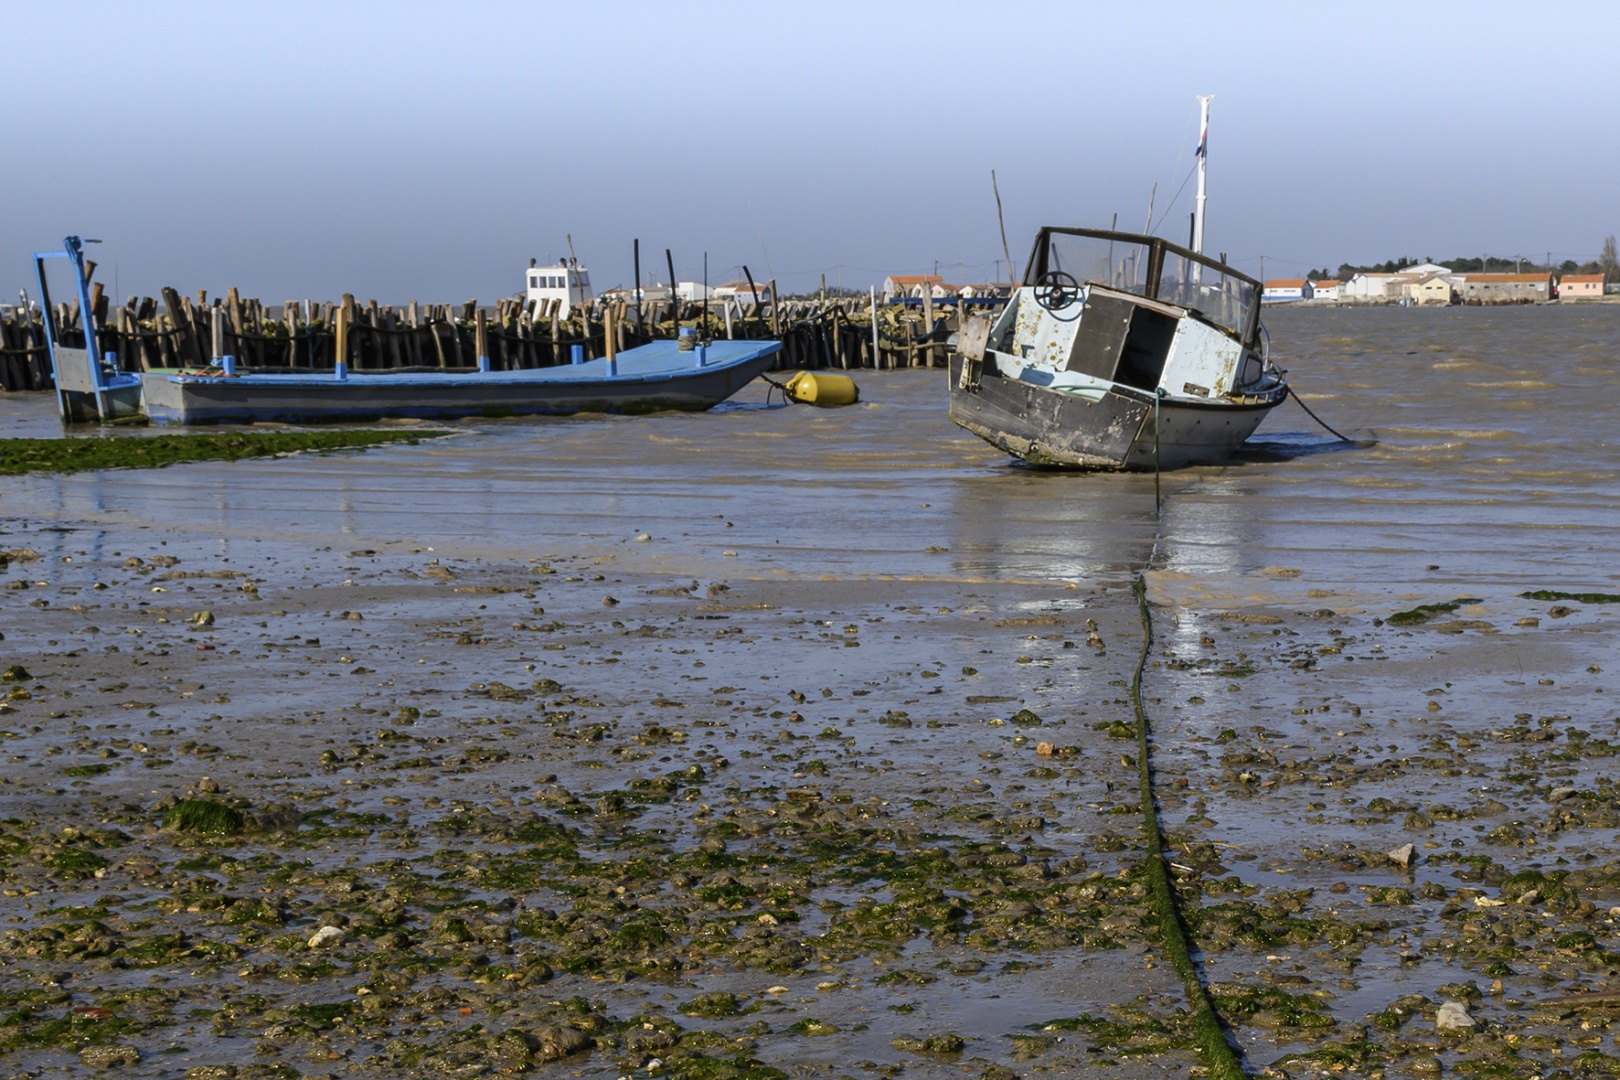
<point>205,816</point>
<point>18,456</point>
<point>1424,612</point>
<point>1578,597</point>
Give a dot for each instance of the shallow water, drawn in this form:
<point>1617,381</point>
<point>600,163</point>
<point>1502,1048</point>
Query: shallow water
<point>1485,466</point>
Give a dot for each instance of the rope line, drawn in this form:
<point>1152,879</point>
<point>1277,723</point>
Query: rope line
<point>1313,416</point>
<point>1219,1056</point>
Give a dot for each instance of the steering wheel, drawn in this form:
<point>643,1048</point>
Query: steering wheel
<point>1056,290</point>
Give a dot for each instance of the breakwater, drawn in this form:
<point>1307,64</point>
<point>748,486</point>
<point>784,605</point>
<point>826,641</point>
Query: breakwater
<point>177,331</point>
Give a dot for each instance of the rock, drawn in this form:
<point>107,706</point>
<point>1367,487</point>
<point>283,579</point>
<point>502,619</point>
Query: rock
<point>109,1057</point>
<point>1402,856</point>
<point>203,618</point>
<point>1559,794</point>
<point>1044,749</point>
<point>326,937</point>
<point>206,786</point>
<point>1453,1016</point>
<point>211,1072</point>
<point>560,1042</point>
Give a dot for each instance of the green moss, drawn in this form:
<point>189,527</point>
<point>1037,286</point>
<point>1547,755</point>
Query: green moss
<point>1578,597</point>
<point>75,862</point>
<point>1424,612</point>
<point>205,816</point>
<point>712,1005</point>
<point>18,456</point>
<point>86,770</point>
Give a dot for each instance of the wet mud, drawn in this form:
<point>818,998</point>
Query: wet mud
<point>792,742</point>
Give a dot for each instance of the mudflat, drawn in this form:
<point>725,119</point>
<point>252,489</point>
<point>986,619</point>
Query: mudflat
<point>783,741</point>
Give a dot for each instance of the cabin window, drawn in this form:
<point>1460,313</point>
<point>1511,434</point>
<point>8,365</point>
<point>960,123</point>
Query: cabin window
<point>534,280</point>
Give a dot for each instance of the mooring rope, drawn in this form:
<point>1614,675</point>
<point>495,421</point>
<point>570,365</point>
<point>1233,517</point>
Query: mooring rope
<point>1219,1057</point>
<point>1313,415</point>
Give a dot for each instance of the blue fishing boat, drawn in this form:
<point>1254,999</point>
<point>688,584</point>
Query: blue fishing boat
<point>689,375</point>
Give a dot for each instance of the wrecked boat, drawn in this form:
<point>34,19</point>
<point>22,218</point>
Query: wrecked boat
<point>1118,351</point>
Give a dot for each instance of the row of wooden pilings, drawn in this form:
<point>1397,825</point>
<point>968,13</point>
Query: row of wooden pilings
<point>176,332</point>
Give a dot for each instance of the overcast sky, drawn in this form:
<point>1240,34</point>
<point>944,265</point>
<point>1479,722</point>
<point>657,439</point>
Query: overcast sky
<point>399,150</point>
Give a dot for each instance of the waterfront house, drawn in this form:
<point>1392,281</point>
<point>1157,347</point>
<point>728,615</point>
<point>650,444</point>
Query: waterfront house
<point>1326,289</point>
<point>1580,287</point>
<point>743,292</point>
<point>1365,288</point>
<point>906,286</point>
<point>1432,289</point>
<point>1284,290</point>
<point>1505,288</point>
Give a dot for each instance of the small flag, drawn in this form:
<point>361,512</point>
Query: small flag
<point>1203,139</point>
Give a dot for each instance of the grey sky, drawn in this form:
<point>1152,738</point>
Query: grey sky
<point>400,150</point>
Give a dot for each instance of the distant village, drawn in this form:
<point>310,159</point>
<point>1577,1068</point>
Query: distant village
<point>1434,284</point>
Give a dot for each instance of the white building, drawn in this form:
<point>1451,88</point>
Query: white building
<point>743,292</point>
<point>1375,288</point>
<point>568,282</point>
<point>1283,290</point>
<point>1326,289</point>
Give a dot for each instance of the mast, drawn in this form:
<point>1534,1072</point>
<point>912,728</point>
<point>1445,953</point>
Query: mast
<point>1203,159</point>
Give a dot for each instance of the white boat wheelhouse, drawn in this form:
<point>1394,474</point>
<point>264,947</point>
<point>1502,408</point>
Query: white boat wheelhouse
<point>568,282</point>
<point>1101,310</point>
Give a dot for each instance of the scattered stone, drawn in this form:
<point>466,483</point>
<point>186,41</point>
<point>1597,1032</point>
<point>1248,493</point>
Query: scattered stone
<point>327,937</point>
<point>202,618</point>
<point>1402,856</point>
<point>560,1042</point>
<point>109,1057</point>
<point>1453,1017</point>
<point>1044,749</point>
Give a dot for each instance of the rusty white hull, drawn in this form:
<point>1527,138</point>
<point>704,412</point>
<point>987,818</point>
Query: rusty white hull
<point>1150,358</point>
<point>1118,431</point>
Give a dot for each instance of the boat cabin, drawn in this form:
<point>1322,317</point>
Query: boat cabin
<point>568,282</point>
<point>1098,307</point>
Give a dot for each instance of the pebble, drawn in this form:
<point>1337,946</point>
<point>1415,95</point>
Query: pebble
<point>326,937</point>
<point>1402,856</point>
<point>1453,1016</point>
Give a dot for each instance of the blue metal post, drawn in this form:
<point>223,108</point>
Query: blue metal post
<point>75,251</point>
<point>576,354</point>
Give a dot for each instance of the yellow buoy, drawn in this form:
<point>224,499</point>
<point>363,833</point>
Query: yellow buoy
<point>820,388</point>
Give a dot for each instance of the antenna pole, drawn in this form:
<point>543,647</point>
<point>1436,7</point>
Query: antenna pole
<point>1203,160</point>
<point>1001,222</point>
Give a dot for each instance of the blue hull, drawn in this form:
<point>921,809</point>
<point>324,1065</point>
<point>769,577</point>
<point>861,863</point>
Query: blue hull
<point>650,378</point>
